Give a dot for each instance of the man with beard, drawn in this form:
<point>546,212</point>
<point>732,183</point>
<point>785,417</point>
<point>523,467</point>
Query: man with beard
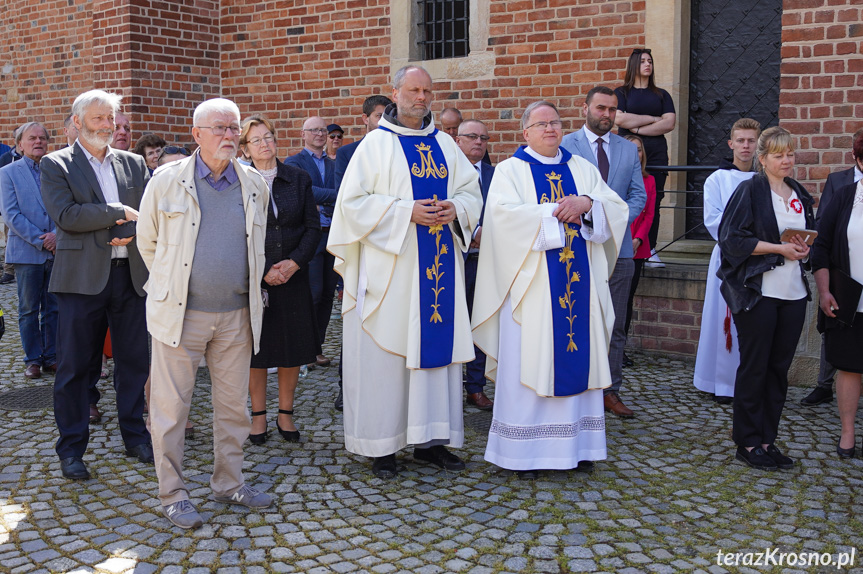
<point>620,168</point>
<point>122,132</point>
<point>202,229</point>
<point>90,190</point>
<point>405,213</point>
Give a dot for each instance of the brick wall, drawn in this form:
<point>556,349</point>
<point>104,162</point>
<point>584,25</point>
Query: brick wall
<point>291,59</point>
<point>821,97</point>
<point>667,311</point>
<point>47,55</point>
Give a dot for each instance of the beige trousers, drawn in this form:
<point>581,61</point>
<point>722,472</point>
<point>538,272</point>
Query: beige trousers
<point>225,339</point>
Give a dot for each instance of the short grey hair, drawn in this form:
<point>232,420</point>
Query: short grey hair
<point>215,105</point>
<point>87,99</point>
<point>399,77</point>
<point>465,122</point>
<point>525,117</point>
<point>19,133</point>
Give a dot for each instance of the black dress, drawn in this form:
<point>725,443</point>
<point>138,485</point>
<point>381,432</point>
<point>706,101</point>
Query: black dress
<point>289,336</point>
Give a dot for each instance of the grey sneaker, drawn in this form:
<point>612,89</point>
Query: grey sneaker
<point>246,496</point>
<point>183,514</point>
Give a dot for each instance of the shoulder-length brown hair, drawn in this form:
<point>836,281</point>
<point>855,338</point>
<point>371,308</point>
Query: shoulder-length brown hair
<point>633,66</point>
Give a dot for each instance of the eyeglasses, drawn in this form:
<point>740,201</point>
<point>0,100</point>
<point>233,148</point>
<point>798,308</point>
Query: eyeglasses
<point>220,130</point>
<point>266,140</point>
<point>641,51</point>
<point>473,137</point>
<point>337,136</point>
<point>555,125</point>
<point>173,150</point>
<point>317,131</point>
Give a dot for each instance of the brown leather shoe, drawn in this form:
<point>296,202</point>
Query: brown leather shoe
<point>33,372</point>
<point>322,361</point>
<point>95,415</point>
<point>616,406</point>
<point>50,369</point>
<point>480,401</point>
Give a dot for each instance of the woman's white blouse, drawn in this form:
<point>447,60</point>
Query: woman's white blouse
<point>785,281</point>
<point>855,240</point>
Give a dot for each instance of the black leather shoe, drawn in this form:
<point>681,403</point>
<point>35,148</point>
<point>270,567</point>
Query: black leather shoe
<point>339,403</point>
<point>288,435</point>
<point>845,452</point>
<point>627,362</point>
<point>756,458</point>
<point>74,469</point>
<point>585,466</point>
<point>384,467</point>
<point>782,461</point>
<point>720,400</point>
<point>7,278</point>
<point>527,474</point>
<point>143,452</point>
<point>262,437</point>
<point>439,456</point>
<point>818,396</point>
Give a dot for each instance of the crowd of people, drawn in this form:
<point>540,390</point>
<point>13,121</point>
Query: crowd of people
<point>452,272</point>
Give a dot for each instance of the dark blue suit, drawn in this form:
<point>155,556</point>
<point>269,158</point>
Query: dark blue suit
<point>343,158</point>
<point>322,276</point>
<point>475,370</point>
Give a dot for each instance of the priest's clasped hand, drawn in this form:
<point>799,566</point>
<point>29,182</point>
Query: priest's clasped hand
<point>572,207</point>
<point>429,212</point>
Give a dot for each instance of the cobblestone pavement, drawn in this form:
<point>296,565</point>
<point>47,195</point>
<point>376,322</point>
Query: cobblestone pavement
<point>668,499</point>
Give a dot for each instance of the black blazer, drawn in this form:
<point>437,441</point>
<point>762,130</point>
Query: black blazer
<point>343,158</point>
<point>74,200</point>
<point>748,219</point>
<point>836,180</point>
<point>830,249</point>
<point>295,233</point>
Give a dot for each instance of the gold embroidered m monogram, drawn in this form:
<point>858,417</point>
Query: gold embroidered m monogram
<point>428,168</point>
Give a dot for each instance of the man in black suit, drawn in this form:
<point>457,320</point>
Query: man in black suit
<point>314,161</point>
<point>472,139</point>
<point>89,190</point>
<point>373,109</point>
<point>823,391</point>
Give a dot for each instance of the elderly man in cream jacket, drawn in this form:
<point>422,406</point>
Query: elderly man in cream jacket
<point>201,233</point>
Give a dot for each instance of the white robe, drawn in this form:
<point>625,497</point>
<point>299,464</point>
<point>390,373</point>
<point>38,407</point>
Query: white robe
<point>513,325</point>
<point>715,366</point>
<point>389,401</point>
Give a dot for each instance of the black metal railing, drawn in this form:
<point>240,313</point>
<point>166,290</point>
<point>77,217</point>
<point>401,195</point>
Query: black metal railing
<point>686,169</point>
<point>444,28</point>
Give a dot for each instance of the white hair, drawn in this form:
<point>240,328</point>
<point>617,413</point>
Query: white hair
<point>87,99</point>
<point>216,105</point>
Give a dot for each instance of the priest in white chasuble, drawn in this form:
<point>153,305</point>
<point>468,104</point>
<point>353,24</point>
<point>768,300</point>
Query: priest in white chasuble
<point>407,207</point>
<point>542,310</point>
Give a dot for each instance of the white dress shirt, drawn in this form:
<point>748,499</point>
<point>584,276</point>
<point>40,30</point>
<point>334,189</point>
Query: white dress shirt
<point>108,184</point>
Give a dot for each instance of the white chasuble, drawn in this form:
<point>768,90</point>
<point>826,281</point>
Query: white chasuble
<point>718,355</point>
<point>513,323</point>
<point>390,400</point>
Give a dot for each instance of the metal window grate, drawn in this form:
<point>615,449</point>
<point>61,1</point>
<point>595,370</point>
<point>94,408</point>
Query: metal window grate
<point>444,26</point>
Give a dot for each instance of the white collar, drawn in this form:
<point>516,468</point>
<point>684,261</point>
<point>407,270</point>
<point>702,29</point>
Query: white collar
<point>543,159</point>
<point>592,137</point>
<point>108,155</point>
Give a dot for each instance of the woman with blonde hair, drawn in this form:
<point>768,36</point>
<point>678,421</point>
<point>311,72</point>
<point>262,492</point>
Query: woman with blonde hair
<point>765,287</point>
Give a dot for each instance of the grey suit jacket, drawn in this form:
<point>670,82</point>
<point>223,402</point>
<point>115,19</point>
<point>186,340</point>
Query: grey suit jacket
<point>25,214</point>
<point>75,202</point>
<point>624,174</point>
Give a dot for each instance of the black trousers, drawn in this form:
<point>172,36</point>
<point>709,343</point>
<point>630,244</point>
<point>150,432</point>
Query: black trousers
<point>81,324</point>
<point>768,336</point>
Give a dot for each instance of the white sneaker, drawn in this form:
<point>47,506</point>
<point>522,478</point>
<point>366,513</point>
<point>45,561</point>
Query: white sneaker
<point>654,260</point>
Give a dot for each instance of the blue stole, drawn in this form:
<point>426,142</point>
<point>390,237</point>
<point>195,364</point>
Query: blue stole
<point>436,252</point>
<point>568,279</point>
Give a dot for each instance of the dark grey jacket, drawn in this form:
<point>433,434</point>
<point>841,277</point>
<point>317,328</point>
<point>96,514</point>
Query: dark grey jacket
<point>74,200</point>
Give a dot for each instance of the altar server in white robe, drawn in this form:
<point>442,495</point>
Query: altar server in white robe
<point>406,210</point>
<point>718,355</point>
<point>542,310</point>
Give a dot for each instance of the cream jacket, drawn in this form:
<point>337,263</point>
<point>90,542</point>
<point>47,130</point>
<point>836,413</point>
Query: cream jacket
<point>167,231</point>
